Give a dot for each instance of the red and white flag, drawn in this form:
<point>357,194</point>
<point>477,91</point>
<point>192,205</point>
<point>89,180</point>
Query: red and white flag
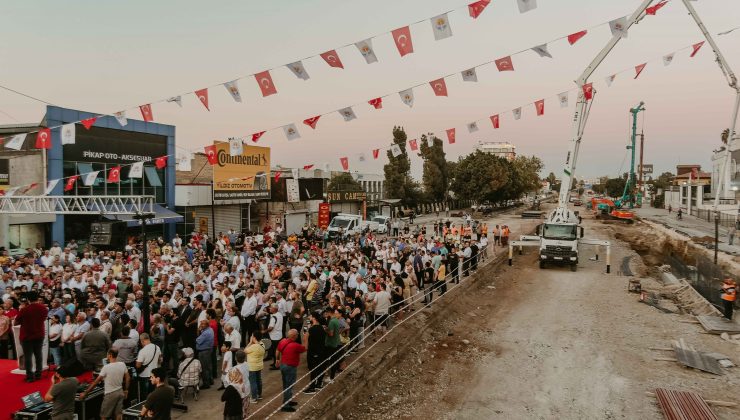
<point>476,8</point>
<point>451,135</point>
<point>414,145</point>
<point>540,107</point>
<point>265,81</point>
<point>377,103</point>
<point>639,68</point>
<point>203,97</point>
<point>402,38</point>
<point>654,9</point>
<point>43,139</point>
<point>495,121</point>
<point>256,136</point>
<point>376,153</point>
<point>70,183</point>
<point>210,152</point>
<point>307,167</point>
<point>278,174</point>
<point>696,48</point>
<point>573,38</point>
<point>88,122</point>
<point>332,59</point>
<point>311,122</point>
<point>345,163</point>
<point>160,162</point>
<point>114,175</point>
<point>146,112</point>
<point>588,91</point>
<point>505,64</point>
<point>439,86</point>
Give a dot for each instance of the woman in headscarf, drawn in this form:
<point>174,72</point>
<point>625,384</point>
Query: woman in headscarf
<point>235,397</point>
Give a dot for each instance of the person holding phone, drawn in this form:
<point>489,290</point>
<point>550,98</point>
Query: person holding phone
<point>62,393</point>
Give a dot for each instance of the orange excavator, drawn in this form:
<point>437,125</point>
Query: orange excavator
<point>604,208</point>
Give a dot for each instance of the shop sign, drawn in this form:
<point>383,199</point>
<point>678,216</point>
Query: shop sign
<point>246,176</point>
<point>338,196</point>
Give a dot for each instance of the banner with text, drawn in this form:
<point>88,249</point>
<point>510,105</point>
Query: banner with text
<point>245,176</point>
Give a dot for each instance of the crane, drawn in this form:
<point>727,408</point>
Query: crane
<point>628,196</point>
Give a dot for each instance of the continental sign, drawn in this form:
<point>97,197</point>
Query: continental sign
<point>337,196</point>
<point>239,177</point>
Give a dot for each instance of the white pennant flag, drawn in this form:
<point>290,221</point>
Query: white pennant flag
<point>347,113</point>
<point>50,186</point>
<point>469,75</point>
<point>121,118</point>
<point>542,51</point>
<point>517,113</point>
<point>327,167</point>
<point>90,177</point>
<point>291,132</point>
<point>619,27</point>
<point>396,150</point>
<point>68,134</point>
<point>668,59</point>
<point>610,79</point>
<point>472,127</point>
<point>407,96</point>
<point>233,89</point>
<point>526,5</point>
<point>184,162</point>
<point>298,69</point>
<point>563,99</point>
<point>11,192</point>
<point>16,142</point>
<point>176,99</point>
<point>137,170</point>
<point>362,157</point>
<point>441,27</point>
<point>366,49</point>
<point>236,147</point>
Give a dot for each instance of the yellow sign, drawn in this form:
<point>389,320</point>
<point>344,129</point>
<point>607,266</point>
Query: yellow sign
<point>245,176</point>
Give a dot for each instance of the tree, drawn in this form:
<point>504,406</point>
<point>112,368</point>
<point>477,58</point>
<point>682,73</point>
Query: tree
<point>343,182</point>
<point>398,181</point>
<point>435,176</point>
<point>551,178</point>
<point>615,187</point>
<point>481,177</point>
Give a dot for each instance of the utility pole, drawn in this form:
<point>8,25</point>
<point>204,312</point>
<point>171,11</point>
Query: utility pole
<point>642,183</point>
<point>146,307</point>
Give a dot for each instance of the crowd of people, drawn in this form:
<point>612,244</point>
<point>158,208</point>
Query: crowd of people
<point>222,311</point>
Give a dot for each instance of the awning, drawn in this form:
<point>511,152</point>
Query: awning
<point>161,215</point>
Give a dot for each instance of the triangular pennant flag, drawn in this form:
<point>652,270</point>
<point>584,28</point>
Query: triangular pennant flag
<point>469,75</point>
<point>610,79</point>
<point>495,121</point>
<point>472,127</point>
<point>407,96</point>
<point>50,186</point>
<point>332,59</point>
<point>137,170</point>
<point>396,150</point>
<point>68,134</point>
<point>88,122</point>
<point>311,122</point>
<point>573,38</point>
<point>70,183</point>
<point>414,145</point>
<point>184,162</point>
<point>298,69</point>
<point>265,81</point>
<point>652,10</point>
<point>90,178</point>
<point>16,142</point>
<point>361,157</point>
<point>29,188</point>
<point>504,64</point>
<point>517,112</point>
<point>376,153</point>
<point>345,163</point>
<point>210,152</point>
<point>114,174</point>
<point>256,136</point>
<point>366,49</point>
<point>441,27</point>
<point>451,135</point>
<point>402,38</point>
<point>233,88</point>
<point>563,99</point>
<point>146,112</point>
<point>11,192</point>
<point>588,91</point>
<point>121,118</point>
<point>377,103</point>
<point>291,132</point>
<point>176,99</point>
<point>526,5</point>
<point>307,167</point>
<point>638,69</point>
<point>542,51</point>
<point>347,113</point>
<point>296,173</point>
<point>696,48</point>
<point>619,27</point>
<point>668,59</point>
<point>236,147</point>
<point>203,97</point>
<point>476,8</point>
<point>160,162</point>
<point>539,106</point>
<point>278,174</point>
<point>439,87</point>
<point>43,139</point>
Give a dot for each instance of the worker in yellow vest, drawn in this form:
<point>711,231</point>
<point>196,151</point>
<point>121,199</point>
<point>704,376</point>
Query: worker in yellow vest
<point>729,294</point>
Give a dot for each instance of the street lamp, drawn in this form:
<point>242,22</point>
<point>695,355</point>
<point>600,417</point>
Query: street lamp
<point>716,235</point>
<point>142,218</point>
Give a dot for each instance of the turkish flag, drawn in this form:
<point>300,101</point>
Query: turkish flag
<point>573,38</point>
<point>377,103</point>
<point>638,69</point>
<point>332,59</point>
<point>588,91</point>
<point>476,8</point>
<point>265,81</point>
<point>114,175</point>
<point>696,48</point>
<point>278,174</point>
<point>402,38</point>
<point>70,183</point>
<point>439,86</point>
<point>43,139</point>
<point>311,122</point>
<point>505,64</point>
<point>540,106</point>
<point>203,96</point>
<point>451,135</point>
<point>654,9</point>
<point>376,153</point>
<point>414,145</point>
<point>88,122</point>
<point>210,152</point>
<point>307,167</point>
<point>494,120</point>
<point>256,136</point>
<point>146,112</point>
<point>160,162</point>
<point>345,163</point>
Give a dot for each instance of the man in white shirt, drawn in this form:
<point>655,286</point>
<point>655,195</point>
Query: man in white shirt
<point>147,359</point>
<point>382,306</point>
<point>117,381</point>
<point>275,332</point>
<point>133,311</point>
<point>248,311</point>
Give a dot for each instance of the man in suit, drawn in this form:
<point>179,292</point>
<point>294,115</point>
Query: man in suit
<point>186,333</point>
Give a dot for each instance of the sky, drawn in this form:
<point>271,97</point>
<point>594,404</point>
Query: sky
<point>107,56</point>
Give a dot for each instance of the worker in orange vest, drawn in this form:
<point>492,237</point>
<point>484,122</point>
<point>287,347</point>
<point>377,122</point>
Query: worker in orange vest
<point>729,294</point>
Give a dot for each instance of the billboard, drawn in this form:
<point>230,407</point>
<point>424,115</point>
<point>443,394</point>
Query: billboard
<point>4,174</point>
<point>246,176</point>
<point>308,188</point>
<point>647,168</point>
<point>106,145</point>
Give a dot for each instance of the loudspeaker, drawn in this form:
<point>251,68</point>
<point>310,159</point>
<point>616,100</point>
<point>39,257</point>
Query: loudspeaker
<point>109,234</point>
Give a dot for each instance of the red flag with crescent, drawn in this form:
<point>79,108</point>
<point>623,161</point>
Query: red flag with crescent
<point>402,38</point>
<point>345,163</point>
<point>573,38</point>
<point>278,174</point>
<point>311,122</point>
<point>639,68</point>
<point>414,145</point>
<point>114,175</point>
<point>265,81</point>
<point>146,112</point>
<point>210,152</point>
<point>654,9</point>
<point>439,86</point>
<point>203,97</point>
<point>588,91</point>
<point>696,48</point>
<point>476,8</point>
<point>495,121</point>
<point>332,59</point>
<point>376,153</point>
<point>70,183</point>
<point>43,139</point>
<point>160,162</point>
<point>307,167</point>
<point>88,122</point>
<point>540,106</point>
<point>505,64</point>
<point>377,103</point>
<point>256,136</point>
<point>451,135</point>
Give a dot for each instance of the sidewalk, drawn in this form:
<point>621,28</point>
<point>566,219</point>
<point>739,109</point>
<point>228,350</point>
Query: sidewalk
<point>691,226</point>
